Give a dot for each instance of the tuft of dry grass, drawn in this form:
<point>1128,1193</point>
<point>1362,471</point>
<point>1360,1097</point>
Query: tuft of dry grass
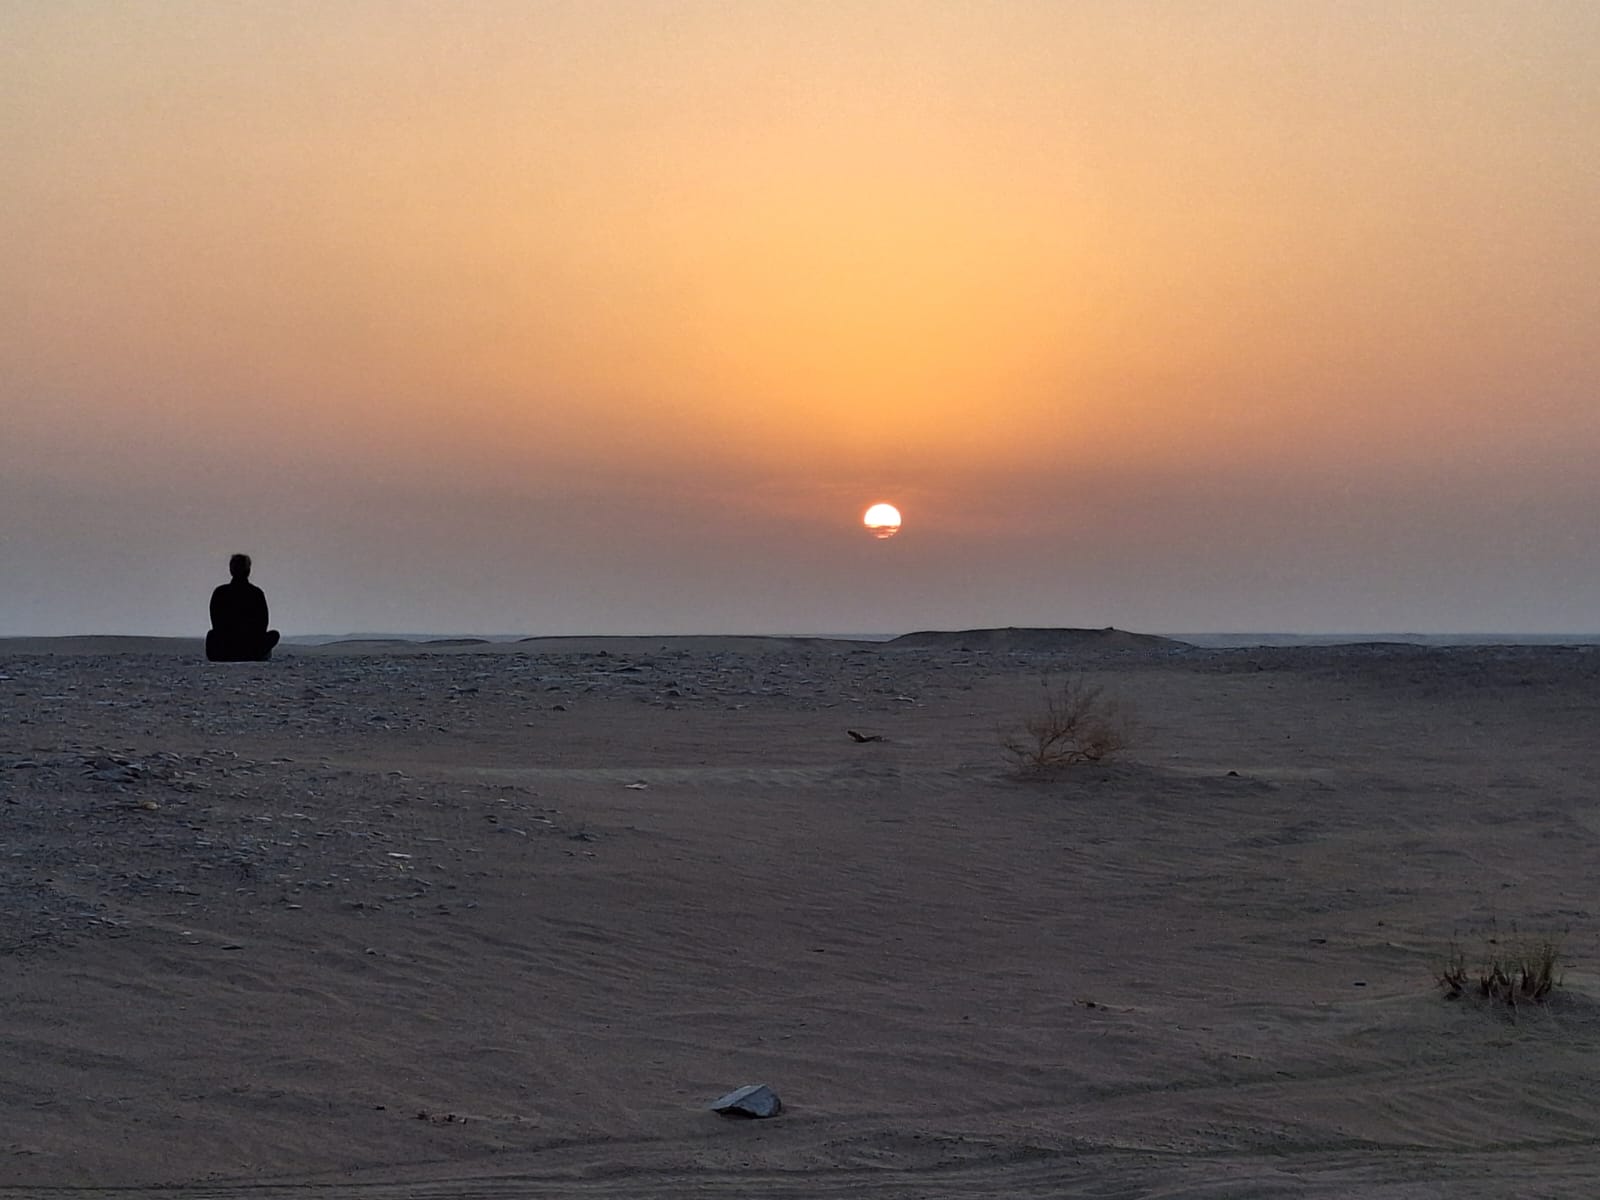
<point>1523,970</point>
<point>1076,721</point>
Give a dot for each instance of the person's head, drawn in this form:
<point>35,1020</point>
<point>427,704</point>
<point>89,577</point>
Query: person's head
<point>239,566</point>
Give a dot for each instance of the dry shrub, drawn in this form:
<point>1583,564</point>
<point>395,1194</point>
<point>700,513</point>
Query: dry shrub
<point>1524,970</point>
<point>1075,722</point>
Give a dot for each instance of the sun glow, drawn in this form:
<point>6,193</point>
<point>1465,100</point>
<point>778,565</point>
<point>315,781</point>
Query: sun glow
<point>882,520</point>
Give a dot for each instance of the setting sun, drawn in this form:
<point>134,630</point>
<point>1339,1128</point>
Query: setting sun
<point>882,520</point>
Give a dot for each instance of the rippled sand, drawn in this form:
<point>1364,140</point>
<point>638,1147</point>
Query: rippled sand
<point>500,921</point>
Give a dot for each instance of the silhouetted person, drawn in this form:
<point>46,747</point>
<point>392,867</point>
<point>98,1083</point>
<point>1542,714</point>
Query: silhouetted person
<point>239,630</point>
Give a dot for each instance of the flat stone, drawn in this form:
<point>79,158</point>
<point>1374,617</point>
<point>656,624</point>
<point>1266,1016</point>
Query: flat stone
<point>752,1100</point>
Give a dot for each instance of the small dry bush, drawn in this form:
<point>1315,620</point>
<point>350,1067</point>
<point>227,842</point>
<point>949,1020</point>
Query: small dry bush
<point>1524,970</point>
<point>1075,722</point>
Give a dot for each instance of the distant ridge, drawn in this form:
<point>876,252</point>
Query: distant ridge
<point>1017,638</point>
<point>102,643</point>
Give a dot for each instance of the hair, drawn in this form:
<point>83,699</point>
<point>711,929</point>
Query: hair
<point>239,566</point>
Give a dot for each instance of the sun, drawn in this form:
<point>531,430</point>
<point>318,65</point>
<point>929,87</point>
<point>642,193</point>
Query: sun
<point>882,520</point>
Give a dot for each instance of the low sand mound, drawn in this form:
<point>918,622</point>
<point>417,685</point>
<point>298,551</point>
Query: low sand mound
<point>1012,638</point>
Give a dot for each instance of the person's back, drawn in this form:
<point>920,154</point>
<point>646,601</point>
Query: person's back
<point>239,630</point>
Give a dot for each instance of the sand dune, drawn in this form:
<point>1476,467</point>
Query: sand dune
<point>1033,640</point>
<point>502,924</point>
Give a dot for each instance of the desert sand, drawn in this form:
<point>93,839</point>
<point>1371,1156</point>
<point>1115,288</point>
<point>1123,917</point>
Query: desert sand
<point>501,920</point>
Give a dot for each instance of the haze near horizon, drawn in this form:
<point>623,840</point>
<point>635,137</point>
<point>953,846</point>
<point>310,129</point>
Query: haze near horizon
<point>615,317</point>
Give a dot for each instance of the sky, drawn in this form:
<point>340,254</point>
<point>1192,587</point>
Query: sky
<point>613,316</point>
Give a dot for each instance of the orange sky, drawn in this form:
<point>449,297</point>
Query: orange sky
<point>560,317</point>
